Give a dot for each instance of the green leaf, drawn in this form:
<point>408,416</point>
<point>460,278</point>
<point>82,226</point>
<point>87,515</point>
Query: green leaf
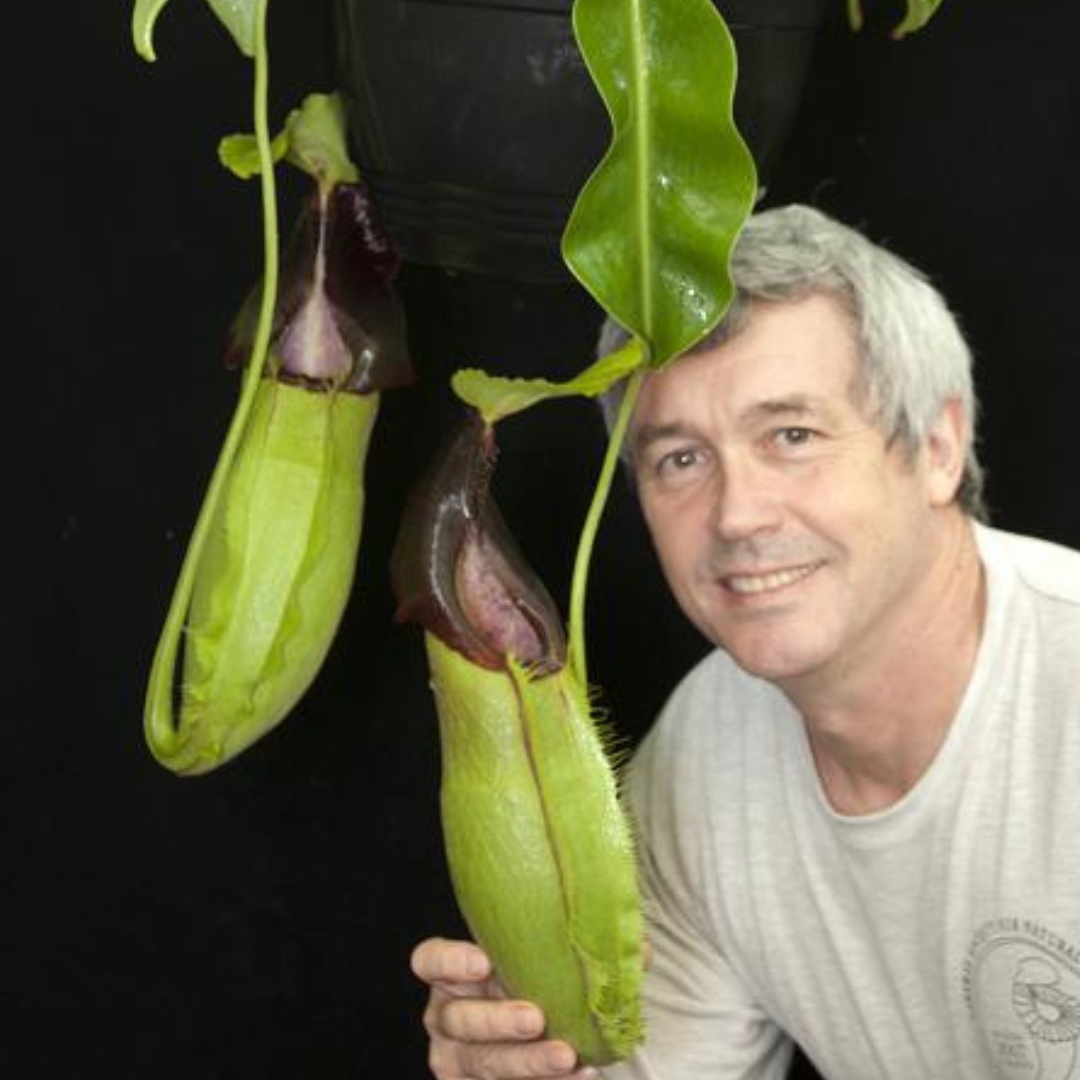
<point>652,230</point>
<point>240,18</point>
<point>496,397</point>
<point>240,153</point>
<point>919,13</point>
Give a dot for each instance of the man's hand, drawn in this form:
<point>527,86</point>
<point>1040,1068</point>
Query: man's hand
<point>476,1032</point>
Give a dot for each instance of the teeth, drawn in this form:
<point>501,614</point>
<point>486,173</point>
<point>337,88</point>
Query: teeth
<point>745,584</point>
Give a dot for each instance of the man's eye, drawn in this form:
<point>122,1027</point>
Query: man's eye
<point>677,461</point>
<point>790,438</point>
<point>675,468</point>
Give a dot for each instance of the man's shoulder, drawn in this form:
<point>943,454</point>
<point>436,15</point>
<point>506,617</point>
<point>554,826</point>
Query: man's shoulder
<point>1050,571</point>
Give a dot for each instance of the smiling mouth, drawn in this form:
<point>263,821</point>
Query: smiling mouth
<point>755,584</point>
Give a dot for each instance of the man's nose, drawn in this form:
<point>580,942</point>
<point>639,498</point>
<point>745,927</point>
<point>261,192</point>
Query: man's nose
<point>746,501</point>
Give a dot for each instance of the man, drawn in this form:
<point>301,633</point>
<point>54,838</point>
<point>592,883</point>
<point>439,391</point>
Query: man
<point>858,816</point>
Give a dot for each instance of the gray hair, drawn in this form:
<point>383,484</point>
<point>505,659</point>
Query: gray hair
<point>913,356</point>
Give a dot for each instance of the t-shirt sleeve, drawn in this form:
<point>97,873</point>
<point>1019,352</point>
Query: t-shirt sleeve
<point>701,1022</point>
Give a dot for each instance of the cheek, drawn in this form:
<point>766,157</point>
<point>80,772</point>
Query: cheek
<point>857,500</point>
<point>679,555</point>
<point>671,535</point>
<point>883,533</point>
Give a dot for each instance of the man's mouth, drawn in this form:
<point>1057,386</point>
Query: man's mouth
<point>753,584</point>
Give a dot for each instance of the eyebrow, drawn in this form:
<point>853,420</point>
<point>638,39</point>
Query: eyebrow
<point>796,405</point>
<point>648,434</point>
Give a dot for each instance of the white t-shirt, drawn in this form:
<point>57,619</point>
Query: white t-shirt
<point>936,940</point>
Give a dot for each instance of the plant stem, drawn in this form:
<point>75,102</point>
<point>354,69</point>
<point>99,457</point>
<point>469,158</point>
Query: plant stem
<point>579,584</point>
<point>161,729</point>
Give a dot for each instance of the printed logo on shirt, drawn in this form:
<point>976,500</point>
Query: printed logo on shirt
<point>1022,988</point>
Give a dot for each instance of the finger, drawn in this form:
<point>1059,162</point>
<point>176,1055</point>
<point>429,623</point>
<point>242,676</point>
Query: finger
<point>545,1060</point>
<point>439,960</point>
<point>483,1020</point>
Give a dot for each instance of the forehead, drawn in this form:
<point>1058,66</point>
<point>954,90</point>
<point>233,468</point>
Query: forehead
<point>801,350</point>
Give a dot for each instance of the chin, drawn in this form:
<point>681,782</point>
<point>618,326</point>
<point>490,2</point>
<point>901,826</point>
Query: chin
<point>770,668</point>
<point>775,661</point>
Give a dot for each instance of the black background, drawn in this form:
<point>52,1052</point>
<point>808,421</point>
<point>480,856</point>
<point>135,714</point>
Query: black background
<point>256,923</point>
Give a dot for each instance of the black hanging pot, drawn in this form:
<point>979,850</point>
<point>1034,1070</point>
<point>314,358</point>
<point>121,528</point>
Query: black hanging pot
<point>475,122</point>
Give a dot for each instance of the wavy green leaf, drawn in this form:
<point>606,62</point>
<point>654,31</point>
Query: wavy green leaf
<point>652,230</point>
<point>496,396</point>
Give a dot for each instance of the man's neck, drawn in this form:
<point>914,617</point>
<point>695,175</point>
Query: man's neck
<point>875,729</point>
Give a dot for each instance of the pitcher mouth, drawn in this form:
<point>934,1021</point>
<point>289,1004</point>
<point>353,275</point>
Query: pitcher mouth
<point>457,571</point>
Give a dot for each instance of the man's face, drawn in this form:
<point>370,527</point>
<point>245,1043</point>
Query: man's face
<point>790,531</point>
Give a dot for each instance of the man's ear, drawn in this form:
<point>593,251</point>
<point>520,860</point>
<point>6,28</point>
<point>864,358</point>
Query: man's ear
<point>946,452</point>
